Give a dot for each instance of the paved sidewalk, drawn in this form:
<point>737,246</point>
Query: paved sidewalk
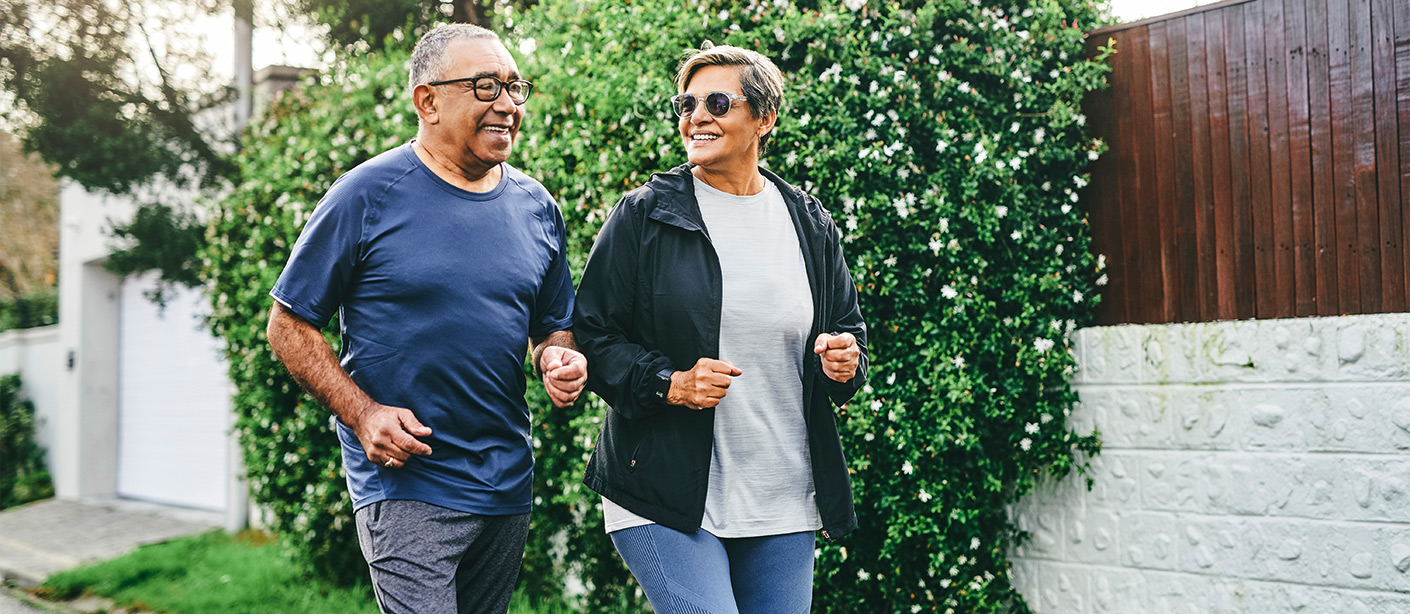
<point>49,536</point>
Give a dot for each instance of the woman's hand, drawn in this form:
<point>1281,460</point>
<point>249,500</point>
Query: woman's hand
<point>839,355</point>
<point>703,385</point>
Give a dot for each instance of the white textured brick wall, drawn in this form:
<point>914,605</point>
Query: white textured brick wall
<point>1247,467</point>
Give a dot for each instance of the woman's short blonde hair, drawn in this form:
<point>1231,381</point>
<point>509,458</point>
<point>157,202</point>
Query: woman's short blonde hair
<point>759,79</point>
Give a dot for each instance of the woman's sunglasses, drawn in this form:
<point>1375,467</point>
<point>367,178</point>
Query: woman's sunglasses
<point>716,103</point>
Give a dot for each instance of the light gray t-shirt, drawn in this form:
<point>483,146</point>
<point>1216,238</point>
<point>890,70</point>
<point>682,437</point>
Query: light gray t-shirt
<point>761,479</point>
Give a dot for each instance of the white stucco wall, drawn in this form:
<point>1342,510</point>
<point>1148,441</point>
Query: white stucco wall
<point>34,354</point>
<point>1250,467</point>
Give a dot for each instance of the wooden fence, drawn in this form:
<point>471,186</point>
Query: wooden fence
<point>1259,162</point>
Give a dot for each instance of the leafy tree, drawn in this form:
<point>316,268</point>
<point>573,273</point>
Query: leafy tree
<point>96,96</point>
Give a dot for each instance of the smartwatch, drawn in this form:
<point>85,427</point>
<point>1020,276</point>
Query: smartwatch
<point>662,385</point>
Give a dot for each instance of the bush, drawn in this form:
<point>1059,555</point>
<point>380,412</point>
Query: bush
<point>38,308</point>
<point>23,476</point>
<point>946,137</point>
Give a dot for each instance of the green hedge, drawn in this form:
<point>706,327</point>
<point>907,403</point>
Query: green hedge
<point>39,308</point>
<point>23,475</point>
<point>946,137</point>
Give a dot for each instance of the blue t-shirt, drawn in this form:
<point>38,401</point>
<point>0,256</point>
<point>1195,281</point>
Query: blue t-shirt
<point>439,291</point>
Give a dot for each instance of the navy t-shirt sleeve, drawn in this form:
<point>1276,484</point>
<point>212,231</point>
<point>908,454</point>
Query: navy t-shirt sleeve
<point>553,308</point>
<point>325,256</point>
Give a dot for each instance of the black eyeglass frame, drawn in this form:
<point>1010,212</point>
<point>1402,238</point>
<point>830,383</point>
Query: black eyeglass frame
<point>499,87</point>
<point>678,103</point>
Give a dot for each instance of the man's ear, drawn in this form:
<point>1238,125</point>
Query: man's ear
<point>427,104</point>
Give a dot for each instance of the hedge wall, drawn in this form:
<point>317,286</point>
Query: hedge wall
<point>947,139</point>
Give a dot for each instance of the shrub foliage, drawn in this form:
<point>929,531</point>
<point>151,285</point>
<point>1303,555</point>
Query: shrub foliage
<point>23,476</point>
<point>947,139</point>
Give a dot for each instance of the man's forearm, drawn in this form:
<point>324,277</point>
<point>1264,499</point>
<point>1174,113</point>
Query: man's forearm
<point>562,338</point>
<point>311,361</point>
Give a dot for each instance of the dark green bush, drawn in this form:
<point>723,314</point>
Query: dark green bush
<point>947,139</point>
<point>23,476</point>
<point>39,308</point>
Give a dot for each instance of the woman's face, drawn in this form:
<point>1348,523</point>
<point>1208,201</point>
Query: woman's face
<point>716,143</point>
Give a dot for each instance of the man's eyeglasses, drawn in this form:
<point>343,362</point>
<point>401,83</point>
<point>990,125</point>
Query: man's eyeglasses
<point>716,103</point>
<point>487,89</point>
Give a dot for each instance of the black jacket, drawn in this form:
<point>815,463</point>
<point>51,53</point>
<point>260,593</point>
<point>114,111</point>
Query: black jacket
<point>649,304</point>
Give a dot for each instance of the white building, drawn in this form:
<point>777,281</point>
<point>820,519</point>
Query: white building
<point>133,401</point>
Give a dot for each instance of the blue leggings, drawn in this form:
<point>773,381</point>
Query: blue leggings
<point>704,574</point>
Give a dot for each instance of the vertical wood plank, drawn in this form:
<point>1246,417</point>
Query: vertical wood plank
<point>1323,181</point>
<point>1206,249</point>
<point>1387,157</point>
<point>1181,110</point>
<point>1123,266</point>
<point>1163,168</point>
<point>1143,217</point>
<point>1101,197</point>
<point>1220,180</point>
<point>1343,156</point>
<point>1241,221</point>
<point>1368,235</point>
<point>1304,269</point>
<point>1259,165</point>
<point>1279,159</point>
<point>1402,96</point>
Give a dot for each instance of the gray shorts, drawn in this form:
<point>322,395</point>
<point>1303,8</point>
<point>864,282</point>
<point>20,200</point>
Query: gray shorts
<point>426,559</point>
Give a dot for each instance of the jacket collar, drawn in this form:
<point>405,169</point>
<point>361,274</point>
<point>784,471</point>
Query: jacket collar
<point>676,204</point>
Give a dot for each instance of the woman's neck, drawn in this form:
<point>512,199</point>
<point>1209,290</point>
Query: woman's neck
<point>743,182</point>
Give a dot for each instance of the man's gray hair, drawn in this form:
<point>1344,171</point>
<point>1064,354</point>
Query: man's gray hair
<point>428,60</point>
<point>760,80</point>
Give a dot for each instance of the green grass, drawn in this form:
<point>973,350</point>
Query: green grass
<point>215,573</point>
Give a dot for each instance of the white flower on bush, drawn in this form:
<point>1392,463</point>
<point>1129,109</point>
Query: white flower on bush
<point>944,74</point>
<point>974,543</point>
<point>948,292</point>
<point>935,245</point>
<point>1030,428</point>
<point>944,221</point>
<point>923,496</point>
<point>862,573</point>
<point>1102,281</point>
<point>1065,208</point>
<point>1042,344</point>
<point>1016,235</point>
<point>964,87</point>
<point>907,468</point>
<point>941,146</point>
<point>958,361</point>
<point>1093,155</point>
<point>1025,443</point>
<point>1077,296</point>
<point>803,121</point>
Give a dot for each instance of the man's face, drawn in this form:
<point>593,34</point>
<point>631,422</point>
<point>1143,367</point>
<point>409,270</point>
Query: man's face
<point>484,132</point>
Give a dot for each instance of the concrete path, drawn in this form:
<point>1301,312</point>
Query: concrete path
<point>45,537</point>
<point>10,605</point>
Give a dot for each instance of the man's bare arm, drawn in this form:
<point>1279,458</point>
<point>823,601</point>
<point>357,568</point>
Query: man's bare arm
<point>386,432</point>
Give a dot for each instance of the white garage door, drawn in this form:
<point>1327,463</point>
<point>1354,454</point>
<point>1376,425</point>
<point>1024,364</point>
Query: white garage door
<point>173,402</point>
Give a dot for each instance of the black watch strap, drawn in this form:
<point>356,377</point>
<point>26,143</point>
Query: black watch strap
<point>663,383</point>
